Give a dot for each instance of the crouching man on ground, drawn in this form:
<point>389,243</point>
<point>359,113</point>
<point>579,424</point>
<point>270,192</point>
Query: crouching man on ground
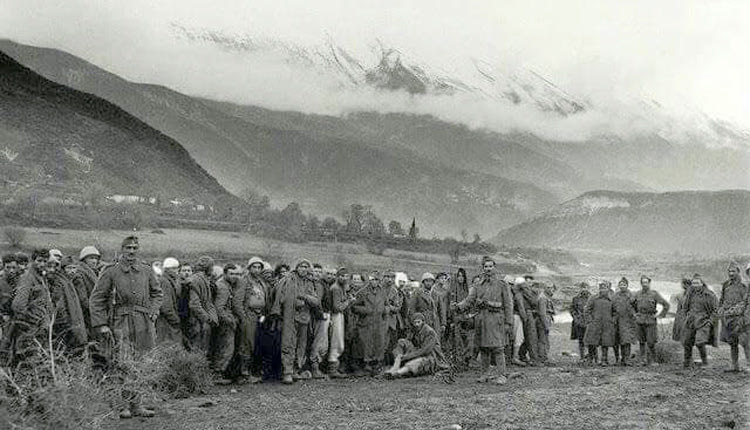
<point>422,355</point>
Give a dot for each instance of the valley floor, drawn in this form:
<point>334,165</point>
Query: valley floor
<point>565,396</point>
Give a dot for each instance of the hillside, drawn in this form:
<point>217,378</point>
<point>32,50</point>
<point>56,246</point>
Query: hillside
<point>690,222</point>
<point>57,141</point>
<point>324,163</point>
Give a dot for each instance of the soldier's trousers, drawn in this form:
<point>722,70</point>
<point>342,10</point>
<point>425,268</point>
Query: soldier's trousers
<point>542,340</point>
<point>336,333</point>
<point>319,347</point>
<point>245,338</point>
<point>462,336</point>
<point>302,331</point>
<point>199,335</point>
<point>530,341</point>
<point>221,347</point>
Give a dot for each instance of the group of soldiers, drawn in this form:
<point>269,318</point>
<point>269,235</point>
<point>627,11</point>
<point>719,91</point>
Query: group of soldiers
<point>620,318</point>
<point>255,322</point>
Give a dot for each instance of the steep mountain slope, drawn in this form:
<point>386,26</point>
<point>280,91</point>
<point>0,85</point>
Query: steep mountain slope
<point>689,222</point>
<point>55,138</point>
<point>324,163</point>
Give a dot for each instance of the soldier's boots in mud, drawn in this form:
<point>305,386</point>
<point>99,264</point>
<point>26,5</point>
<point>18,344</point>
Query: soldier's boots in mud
<point>316,373</point>
<point>703,354</point>
<point>333,370</point>
<point>287,379</point>
<point>687,361</point>
<point>484,376</point>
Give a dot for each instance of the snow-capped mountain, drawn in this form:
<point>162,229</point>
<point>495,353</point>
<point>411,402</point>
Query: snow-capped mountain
<point>389,68</point>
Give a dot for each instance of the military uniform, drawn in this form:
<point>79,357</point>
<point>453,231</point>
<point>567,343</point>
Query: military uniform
<point>370,306</point>
<point>202,311</point>
<point>462,324</point>
<point>492,299</point>
<point>249,304</point>
<point>222,342</point>
<point>699,330</point>
<point>126,298</point>
<point>294,297</point>
<point>422,353</point>
<point>168,323</point>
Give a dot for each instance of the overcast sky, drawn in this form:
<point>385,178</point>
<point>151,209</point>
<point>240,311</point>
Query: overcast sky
<point>679,52</point>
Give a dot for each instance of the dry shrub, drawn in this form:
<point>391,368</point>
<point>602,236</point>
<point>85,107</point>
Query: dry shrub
<point>668,352</point>
<point>170,371</point>
<point>14,235</point>
<point>77,398</point>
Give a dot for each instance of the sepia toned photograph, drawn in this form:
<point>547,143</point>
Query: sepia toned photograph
<point>329,214</point>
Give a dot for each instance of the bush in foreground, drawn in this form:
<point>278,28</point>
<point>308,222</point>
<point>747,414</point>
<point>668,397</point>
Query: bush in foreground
<point>60,394</point>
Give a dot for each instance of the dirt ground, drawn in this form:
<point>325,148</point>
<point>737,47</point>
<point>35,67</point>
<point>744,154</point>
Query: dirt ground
<point>563,396</point>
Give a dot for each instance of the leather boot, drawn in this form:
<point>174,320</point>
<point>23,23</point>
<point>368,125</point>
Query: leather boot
<point>316,373</point>
<point>333,370</point>
<point>688,357</point>
<point>704,354</point>
<point>485,367</point>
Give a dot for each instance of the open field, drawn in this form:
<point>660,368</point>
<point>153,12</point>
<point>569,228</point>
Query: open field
<point>566,396</point>
<point>238,246</point>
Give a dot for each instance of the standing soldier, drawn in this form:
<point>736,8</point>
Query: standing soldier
<point>124,306</point>
<point>645,318</point>
<point>8,282</point>
<point>168,324</point>
<point>625,326</point>
<point>440,299</point>
<point>492,299</point>
<point>699,313</point>
<point>461,324</point>
<point>393,320</point>
<point>370,306</point>
<point>578,313</point>
<point>295,297</point>
<point>340,302</point>
<point>223,334</point>
<point>544,320</point>
<point>201,306</point>
<point>679,300</point>
<point>733,310</point>
<point>249,303</point>
<point>423,301</point>
<point>600,330</point>
<point>88,274</point>
<point>320,320</point>
<point>527,301</point>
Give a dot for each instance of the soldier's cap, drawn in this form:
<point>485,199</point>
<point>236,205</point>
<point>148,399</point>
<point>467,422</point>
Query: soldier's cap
<point>389,272</point>
<point>56,253</point>
<point>170,263</point>
<point>427,275</point>
<point>254,260</point>
<point>130,240</point>
<point>303,261</point>
<point>519,280</point>
<point>217,271</point>
<point>342,271</point>
<point>604,284</point>
<point>487,258</point>
<point>623,281</point>
<point>88,251</point>
<point>646,278</point>
<point>204,262</point>
<point>508,279</point>
<point>417,316</point>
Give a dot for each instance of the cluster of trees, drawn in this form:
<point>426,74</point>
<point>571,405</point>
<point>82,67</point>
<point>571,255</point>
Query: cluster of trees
<point>359,224</point>
<point>253,212</point>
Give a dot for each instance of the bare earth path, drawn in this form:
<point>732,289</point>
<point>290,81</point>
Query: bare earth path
<point>561,397</point>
